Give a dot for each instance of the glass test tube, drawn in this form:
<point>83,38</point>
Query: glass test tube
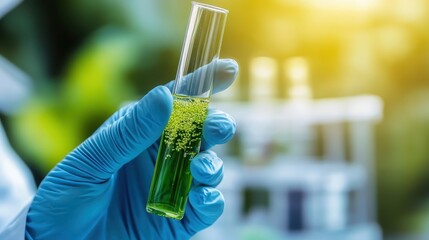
<point>181,138</point>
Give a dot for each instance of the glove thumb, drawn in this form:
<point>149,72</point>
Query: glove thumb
<point>109,149</point>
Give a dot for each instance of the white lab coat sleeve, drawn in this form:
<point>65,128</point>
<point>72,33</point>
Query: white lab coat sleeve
<point>15,230</point>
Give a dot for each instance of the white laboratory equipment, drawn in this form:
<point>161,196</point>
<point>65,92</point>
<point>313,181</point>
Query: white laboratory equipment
<point>320,185</point>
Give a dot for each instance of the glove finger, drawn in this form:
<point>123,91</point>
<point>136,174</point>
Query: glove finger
<point>219,128</point>
<point>225,74</point>
<point>206,205</point>
<point>113,146</point>
<point>207,169</point>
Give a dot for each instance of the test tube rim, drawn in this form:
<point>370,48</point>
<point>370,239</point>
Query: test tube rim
<point>210,7</point>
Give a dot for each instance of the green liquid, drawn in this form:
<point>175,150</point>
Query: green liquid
<point>180,142</point>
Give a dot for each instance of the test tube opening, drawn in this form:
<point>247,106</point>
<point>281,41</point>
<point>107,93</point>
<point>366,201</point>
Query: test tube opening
<point>210,7</point>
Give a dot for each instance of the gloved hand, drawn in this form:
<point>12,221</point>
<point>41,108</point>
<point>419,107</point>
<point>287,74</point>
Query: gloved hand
<point>99,191</point>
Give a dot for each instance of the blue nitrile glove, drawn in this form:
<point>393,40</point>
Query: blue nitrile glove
<point>99,191</point>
